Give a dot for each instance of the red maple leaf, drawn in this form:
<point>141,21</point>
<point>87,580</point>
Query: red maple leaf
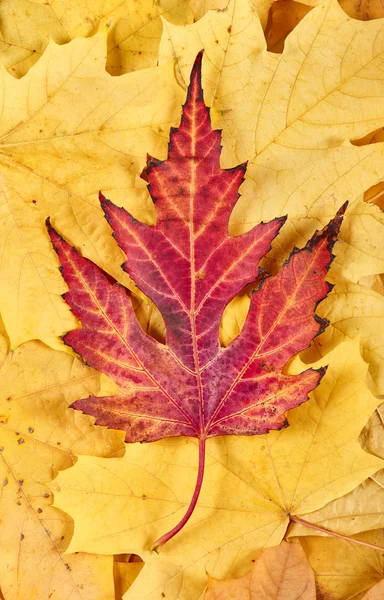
<point>191,267</point>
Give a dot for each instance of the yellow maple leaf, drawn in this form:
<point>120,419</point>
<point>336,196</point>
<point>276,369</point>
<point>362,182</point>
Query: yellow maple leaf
<point>39,435</point>
<point>27,27</point>
<point>69,129</point>
<point>251,486</point>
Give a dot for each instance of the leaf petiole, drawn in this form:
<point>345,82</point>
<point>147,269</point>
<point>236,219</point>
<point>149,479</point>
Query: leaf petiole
<point>333,533</point>
<point>200,474</point>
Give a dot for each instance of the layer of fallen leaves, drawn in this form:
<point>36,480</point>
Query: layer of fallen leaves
<point>285,572</point>
<point>135,28</point>
<point>244,504</point>
<point>309,119</point>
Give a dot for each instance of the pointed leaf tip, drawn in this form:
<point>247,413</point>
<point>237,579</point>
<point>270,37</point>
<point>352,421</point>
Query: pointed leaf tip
<point>343,208</point>
<point>195,90</point>
<point>102,198</point>
<point>197,65</point>
<point>330,232</point>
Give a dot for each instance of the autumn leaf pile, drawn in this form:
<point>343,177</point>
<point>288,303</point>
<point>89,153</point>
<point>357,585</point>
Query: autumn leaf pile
<point>88,89</point>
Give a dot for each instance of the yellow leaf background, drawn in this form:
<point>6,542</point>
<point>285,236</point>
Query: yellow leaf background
<point>87,89</point>
<point>28,25</point>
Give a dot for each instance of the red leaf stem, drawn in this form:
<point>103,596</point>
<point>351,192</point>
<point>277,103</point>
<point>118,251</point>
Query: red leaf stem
<point>200,474</point>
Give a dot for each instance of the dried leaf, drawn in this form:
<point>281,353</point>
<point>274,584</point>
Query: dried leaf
<point>363,9</point>
<point>344,570</point>
<point>281,572</point>
<point>372,436</point>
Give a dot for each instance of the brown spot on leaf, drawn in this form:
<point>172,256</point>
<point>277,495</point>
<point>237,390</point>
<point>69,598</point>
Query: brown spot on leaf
<point>323,594</point>
<point>200,274</point>
<point>20,441</point>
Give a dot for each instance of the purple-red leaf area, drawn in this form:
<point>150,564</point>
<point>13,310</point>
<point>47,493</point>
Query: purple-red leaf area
<point>191,267</point>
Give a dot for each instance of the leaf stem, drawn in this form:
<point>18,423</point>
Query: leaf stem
<point>333,533</point>
<point>200,474</point>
